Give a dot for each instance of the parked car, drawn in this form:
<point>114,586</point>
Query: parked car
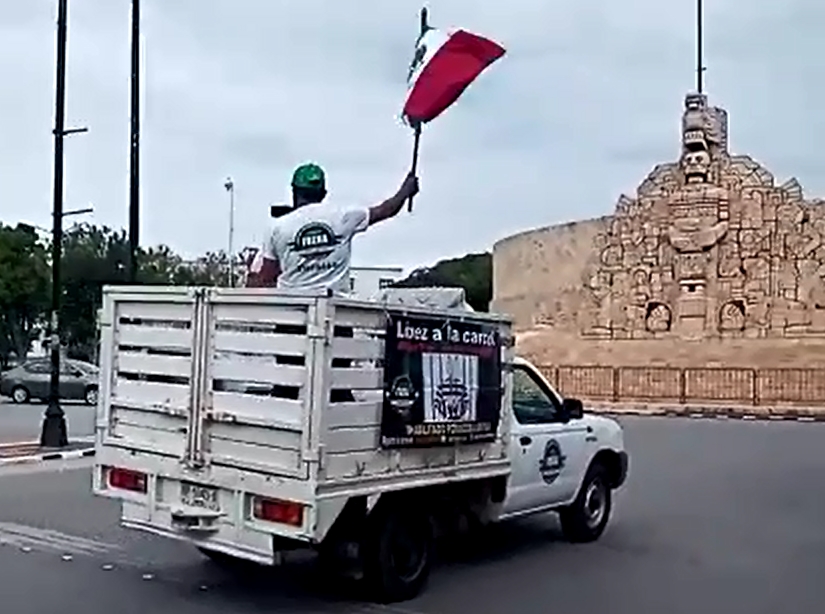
<point>10,363</point>
<point>78,381</point>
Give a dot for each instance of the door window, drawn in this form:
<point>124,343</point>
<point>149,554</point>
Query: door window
<point>531,402</point>
<point>40,367</point>
<point>70,370</point>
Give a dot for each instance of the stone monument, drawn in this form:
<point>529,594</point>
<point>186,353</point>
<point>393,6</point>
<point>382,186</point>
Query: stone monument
<point>710,249</point>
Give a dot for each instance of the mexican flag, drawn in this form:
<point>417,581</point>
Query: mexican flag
<point>444,65</point>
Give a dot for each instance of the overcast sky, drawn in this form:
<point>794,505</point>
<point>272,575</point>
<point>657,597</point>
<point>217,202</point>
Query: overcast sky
<point>586,101</point>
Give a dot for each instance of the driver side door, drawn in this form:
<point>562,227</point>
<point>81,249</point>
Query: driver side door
<point>72,383</point>
<point>544,449</point>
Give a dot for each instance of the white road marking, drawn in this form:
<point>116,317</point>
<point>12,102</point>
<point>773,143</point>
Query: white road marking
<point>24,536</point>
<point>55,466</point>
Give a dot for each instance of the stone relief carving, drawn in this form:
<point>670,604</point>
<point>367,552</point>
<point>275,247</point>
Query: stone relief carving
<point>658,318</point>
<point>732,316</point>
<point>710,246</point>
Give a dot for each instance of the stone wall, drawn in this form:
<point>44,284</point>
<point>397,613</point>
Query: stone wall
<point>712,262</point>
<point>537,275</point>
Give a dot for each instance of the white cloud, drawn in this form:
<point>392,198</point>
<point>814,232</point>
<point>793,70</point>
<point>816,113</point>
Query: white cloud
<point>586,101</point>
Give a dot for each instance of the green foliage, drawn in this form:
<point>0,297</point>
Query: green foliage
<point>97,256</point>
<point>161,266</point>
<point>24,289</point>
<point>209,270</point>
<point>92,257</point>
<point>473,272</point>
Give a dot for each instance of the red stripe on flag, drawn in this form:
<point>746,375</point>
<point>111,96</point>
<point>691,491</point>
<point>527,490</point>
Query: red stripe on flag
<point>451,70</point>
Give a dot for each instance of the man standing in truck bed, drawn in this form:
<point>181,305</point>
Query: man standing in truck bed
<point>310,248</point>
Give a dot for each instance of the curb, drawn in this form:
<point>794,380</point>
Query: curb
<point>47,456</point>
<point>89,439</point>
<point>713,413</point>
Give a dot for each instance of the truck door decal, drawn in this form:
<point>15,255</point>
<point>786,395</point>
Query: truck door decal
<point>552,462</point>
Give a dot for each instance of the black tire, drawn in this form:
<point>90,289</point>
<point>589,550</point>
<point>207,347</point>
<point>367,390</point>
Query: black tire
<point>90,396</point>
<point>586,518</point>
<point>20,395</point>
<point>397,531</point>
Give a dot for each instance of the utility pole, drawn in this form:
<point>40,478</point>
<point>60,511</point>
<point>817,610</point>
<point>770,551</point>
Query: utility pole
<point>134,151</point>
<point>230,187</point>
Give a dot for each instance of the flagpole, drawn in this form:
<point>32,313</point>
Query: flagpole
<point>417,126</point>
<point>414,169</point>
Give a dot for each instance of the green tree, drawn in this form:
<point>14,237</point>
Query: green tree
<point>212,269</point>
<point>24,289</point>
<point>473,272</point>
<point>92,257</point>
<point>161,266</point>
<point>97,256</point>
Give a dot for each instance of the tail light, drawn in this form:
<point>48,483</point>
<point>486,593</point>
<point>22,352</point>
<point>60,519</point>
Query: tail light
<point>126,479</point>
<point>274,510</point>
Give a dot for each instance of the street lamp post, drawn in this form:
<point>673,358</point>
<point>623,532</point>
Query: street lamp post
<point>53,433</point>
<point>134,148</point>
<point>230,187</point>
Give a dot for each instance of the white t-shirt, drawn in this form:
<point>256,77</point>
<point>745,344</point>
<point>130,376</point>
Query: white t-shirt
<point>313,245</point>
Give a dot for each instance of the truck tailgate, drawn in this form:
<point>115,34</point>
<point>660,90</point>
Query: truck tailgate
<point>208,379</point>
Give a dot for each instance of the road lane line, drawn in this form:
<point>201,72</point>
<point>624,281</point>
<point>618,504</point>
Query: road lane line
<point>23,535</point>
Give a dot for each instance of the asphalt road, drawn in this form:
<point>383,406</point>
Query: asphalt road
<point>720,517</point>
<point>22,422</point>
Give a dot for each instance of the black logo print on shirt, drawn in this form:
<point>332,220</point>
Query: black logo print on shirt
<point>315,239</point>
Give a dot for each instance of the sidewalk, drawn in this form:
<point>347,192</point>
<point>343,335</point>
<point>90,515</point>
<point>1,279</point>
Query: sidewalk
<point>719,411</point>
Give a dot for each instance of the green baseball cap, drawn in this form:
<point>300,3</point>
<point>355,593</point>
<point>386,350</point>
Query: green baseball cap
<point>309,176</point>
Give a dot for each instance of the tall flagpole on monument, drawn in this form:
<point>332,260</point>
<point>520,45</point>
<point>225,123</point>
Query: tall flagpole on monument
<point>700,65</point>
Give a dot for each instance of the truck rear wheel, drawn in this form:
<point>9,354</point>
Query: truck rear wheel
<point>398,552</point>
<point>585,519</point>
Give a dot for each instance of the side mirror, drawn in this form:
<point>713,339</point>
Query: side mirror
<point>572,409</point>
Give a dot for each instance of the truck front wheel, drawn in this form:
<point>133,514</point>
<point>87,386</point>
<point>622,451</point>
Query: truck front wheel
<point>398,552</point>
<point>585,519</point>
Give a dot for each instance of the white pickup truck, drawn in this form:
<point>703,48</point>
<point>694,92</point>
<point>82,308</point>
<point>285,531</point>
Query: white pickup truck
<point>370,430</point>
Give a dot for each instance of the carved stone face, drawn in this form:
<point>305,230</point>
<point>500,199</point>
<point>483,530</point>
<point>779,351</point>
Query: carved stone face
<point>694,102</point>
<point>697,123</point>
<point>696,166</point>
<point>694,140</point>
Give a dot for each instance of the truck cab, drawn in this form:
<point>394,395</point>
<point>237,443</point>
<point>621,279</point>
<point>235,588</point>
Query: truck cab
<point>553,445</point>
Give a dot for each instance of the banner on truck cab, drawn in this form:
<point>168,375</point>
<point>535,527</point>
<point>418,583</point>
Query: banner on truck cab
<point>442,382</point>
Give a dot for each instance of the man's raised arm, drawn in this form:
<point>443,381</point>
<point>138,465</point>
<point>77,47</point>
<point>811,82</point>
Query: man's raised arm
<point>390,207</point>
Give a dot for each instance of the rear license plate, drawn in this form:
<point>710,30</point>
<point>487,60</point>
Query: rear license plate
<point>195,495</point>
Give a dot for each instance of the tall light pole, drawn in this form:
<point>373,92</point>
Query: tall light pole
<point>134,149</point>
<point>53,433</point>
<point>230,187</point>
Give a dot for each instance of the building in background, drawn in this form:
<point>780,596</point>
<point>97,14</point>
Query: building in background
<point>368,280</point>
